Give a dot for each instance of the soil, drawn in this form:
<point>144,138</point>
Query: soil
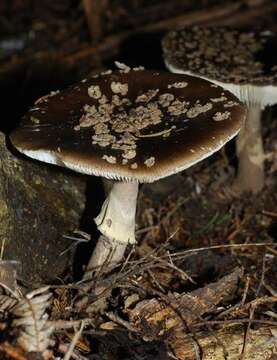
<point>198,208</point>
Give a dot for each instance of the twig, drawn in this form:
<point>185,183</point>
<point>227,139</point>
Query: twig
<point>164,219</point>
<point>63,348</point>
<point>237,306</point>
<point>235,321</point>
<point>262,278</point>
<point>251,315</point>
<point>117,319</point>
<point>270,289</point>
<point>246,337</point>
<point>245,290</point>
<point>183,274</point>
<point>2,248</point>
<point>269,213</point>
<point>74,342</point>
<point>67,324</point>
<point>180,254</point>
<point>93,11</point>
<point>155,281</point>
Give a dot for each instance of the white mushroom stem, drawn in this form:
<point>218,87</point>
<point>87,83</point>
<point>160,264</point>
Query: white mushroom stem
<point>250,153</point>
<point>116,222</point>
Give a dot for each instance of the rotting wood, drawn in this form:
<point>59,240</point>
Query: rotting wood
<point>226,343</point>
<point>157,317</point>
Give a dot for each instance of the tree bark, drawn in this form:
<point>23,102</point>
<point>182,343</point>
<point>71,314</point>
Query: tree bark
<point>38,204</point>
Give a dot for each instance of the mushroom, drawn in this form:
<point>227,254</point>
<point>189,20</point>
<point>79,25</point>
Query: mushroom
<point>239,61</point>
<point>130,127</point>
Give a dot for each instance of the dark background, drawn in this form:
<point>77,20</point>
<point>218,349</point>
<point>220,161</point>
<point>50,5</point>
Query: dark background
<point>46,45</point>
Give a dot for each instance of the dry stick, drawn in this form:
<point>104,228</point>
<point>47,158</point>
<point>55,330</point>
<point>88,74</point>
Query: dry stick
<point>270,289</point>
<point>262,278</point>
<point>252,310</point>
<point>215,247</point>
<point>183,274</point>
<point>245,291</point>
<point>246,337</point>
<point>2,248</point>
<point>177,255</point>
<point>116,281</point>
<point>237,306</point>
<point>155,281</point>
<point>63,348</point>
<point>274,252</point>
<point>270,213</point>
<point>74,342</point>
<point>235,321</point>
<point>179,204</point>
<point>68,324</point>
<point>117,319</point>
<point>93,11</point>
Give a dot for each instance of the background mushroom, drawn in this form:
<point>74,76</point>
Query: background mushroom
<point>239,61</point>
<point>131,126</point>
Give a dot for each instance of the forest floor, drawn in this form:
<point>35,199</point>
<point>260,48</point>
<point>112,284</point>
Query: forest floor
<point>202,281</point>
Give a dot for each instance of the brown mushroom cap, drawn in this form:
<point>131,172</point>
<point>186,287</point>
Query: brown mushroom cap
<point>132,125</point>
<point>224,54</point>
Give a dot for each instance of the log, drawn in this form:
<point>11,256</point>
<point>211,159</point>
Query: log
<point>157,318</point>
<point>226,344</point>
